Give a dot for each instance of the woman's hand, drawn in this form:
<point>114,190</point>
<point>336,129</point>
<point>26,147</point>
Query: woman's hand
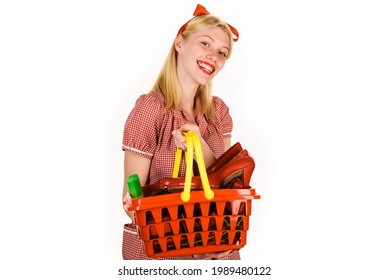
<point>126,201</point>
<point>180,142</point>
<point>126,204</point>
<point>217,255</point>
<point>179,137</point>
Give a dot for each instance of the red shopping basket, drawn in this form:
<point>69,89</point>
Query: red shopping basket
<point>170,227</point>
<point>198,222</point>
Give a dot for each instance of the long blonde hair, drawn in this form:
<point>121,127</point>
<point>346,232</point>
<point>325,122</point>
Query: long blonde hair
<point>167,82</point>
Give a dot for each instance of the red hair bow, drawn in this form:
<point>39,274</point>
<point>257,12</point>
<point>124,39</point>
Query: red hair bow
<point>200,10</point>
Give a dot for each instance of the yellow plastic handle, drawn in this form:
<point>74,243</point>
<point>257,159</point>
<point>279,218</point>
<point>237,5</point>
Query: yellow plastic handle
<point>177,163</point>
<point>200,162</point>
<point>185,195</point>
<point>193,143</point>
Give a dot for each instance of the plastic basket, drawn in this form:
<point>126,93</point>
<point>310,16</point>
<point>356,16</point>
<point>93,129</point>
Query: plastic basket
<point>193,222</point>
<point>170,227</point>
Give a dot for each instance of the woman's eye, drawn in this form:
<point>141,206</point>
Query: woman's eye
<point>205,44</point>
<point>223,54</point>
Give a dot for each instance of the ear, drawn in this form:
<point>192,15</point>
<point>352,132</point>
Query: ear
<point>178,43</point>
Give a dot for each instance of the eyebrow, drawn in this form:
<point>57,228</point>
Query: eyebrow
<point>214,41</point>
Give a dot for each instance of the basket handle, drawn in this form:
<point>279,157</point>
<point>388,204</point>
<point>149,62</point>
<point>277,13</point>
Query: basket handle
<point>193,144</point>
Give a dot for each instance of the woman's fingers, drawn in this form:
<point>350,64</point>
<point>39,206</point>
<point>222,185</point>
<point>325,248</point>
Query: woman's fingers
<point>126,201</point>
<point>179,137</point>
<point>213,255</point>
<point>189,126</point>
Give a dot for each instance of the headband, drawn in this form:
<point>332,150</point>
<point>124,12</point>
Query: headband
<point>200,11</point>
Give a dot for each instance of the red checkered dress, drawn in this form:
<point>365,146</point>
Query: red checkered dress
<point>148,132</point>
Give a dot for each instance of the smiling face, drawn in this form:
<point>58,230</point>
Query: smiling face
<point>201,56</point>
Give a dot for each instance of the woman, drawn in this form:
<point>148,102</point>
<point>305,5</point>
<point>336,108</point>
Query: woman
<point>180,100</point>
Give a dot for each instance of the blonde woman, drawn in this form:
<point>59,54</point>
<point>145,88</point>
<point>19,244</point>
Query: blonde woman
<point>181,100</point>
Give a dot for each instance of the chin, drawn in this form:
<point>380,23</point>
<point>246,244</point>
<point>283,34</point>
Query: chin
<point>204,82</point>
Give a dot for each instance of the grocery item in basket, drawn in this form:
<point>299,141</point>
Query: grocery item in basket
<point>233,169</point>
<point>134,186</point>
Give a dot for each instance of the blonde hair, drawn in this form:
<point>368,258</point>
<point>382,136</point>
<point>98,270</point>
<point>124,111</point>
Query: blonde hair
<point>167,82</point>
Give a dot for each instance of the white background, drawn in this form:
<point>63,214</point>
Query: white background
<point>307,87</point>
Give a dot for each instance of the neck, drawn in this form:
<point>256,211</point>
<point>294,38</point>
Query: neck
<point>188,92</point>
<point>187,102</point>
<point>188,88</point>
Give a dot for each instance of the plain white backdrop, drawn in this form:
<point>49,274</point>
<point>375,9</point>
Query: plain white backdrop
<point>307,87</point>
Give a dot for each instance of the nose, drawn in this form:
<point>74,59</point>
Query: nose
<point>212,56</point>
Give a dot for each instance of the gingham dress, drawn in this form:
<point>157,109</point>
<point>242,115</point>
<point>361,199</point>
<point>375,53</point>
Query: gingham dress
<point>148,132</point>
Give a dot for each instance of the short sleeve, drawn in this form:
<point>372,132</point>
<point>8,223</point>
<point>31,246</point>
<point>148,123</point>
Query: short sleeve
<point>223,117</point>
<point>142,125</point>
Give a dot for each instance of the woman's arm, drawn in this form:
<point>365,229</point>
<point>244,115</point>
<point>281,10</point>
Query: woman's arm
<point>227,143</point>
<point>134,163</point>
<point>208,155</point>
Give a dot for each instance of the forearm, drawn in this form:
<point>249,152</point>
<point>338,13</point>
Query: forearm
<point>133,164</point>
<point>208,155</point>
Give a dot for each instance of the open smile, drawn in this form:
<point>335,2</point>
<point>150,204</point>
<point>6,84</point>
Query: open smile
<point>206,67</point>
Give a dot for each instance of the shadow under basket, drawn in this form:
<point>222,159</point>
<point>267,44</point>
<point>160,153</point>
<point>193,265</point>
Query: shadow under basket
<point>170,227</point>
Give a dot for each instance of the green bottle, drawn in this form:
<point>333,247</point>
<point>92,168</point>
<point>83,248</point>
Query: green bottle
<point>134,186</point>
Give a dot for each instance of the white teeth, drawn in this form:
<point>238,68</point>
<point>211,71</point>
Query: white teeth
<point>206,67</point>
